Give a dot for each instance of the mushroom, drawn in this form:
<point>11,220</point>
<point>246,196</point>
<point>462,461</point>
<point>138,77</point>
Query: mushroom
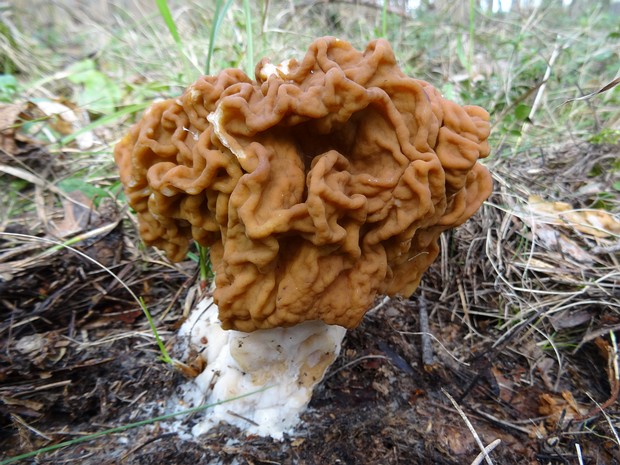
<point>318,186</point>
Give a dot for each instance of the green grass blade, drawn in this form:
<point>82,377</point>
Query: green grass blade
<point>220,12</point>
<point>169,20</point>
<point>120,429</point>
<point>472,30</point>
<point>165,357</point>
<point>164,10</point>
<point>249,66</point>
<point>384,12</point>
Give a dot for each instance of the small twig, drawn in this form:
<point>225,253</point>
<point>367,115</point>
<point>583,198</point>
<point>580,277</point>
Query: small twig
<point>379,306</point>
<point>541,90</point>
<point>504,423</point>
<point>145,443</point>
<point>469,426</point>
<point>241,417</point>
<point>428,356</point>
<point>355,362</point>
<point>188,282</point>
<point>432,336</point>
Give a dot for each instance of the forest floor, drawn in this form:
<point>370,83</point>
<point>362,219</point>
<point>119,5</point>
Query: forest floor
<point>517,317</point>
<point>522,306</point>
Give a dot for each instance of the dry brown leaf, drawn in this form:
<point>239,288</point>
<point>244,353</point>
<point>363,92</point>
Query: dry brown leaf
<point>592,221</point>
<point>8,116</point>
<point>506,385</point>
<point>79,213</point>
<point>568,319</point>
<point>556,408</point>
<point>555,241</point>
<point>66,121</point>
<point>30,345</point>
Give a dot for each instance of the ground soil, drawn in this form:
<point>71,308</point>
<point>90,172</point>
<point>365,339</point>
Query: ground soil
<point>77,357</point>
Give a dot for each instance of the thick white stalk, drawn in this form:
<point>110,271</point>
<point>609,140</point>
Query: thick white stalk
<point>290,362</point>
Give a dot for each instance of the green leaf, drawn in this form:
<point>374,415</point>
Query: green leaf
<point>522,111</point>
<point>617,185</point>
<point>449,92</point>
<point>8,81</point>
<point>165,13</point>
<point>460,51</point>
<point>8,87</point>
<point>99,93</point>
<point>79,184</point>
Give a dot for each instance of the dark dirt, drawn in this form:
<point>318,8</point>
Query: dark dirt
<point>77,357</point>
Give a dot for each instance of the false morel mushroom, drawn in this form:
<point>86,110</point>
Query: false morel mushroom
<point>317,186</point>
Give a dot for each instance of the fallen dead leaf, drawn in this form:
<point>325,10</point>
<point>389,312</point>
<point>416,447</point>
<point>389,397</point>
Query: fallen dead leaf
<point>569,319</point>
<point>555,241</point>
<point>560,409</point>
<point>8,116</point>
<point>79,213</point>
<point>67,120</point>
<point>592,221</point>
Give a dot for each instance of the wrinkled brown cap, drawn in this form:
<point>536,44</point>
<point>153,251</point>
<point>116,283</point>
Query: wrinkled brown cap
<point>317,186</point>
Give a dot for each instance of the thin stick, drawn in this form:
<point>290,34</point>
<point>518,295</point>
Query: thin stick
<point>469,426</point>
<point>353,362</point>
<point>428,356</point>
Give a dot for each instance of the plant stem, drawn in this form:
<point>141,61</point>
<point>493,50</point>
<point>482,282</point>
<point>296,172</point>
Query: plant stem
<point>203,260</point>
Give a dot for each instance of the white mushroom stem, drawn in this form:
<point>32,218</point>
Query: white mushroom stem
<point>289,362</point>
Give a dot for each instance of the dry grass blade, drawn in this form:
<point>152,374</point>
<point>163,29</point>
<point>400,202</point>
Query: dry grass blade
<point>605,88</point>
<point>487,450</point>
<point>579,454</point>
<point>16,266</point>
<point>483,449</point>
<point>35,179</point>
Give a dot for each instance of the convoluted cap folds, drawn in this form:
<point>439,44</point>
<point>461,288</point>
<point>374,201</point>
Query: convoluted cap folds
<point>317,186</point>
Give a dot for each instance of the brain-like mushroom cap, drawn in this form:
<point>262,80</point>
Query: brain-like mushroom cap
<point>317,186</point>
